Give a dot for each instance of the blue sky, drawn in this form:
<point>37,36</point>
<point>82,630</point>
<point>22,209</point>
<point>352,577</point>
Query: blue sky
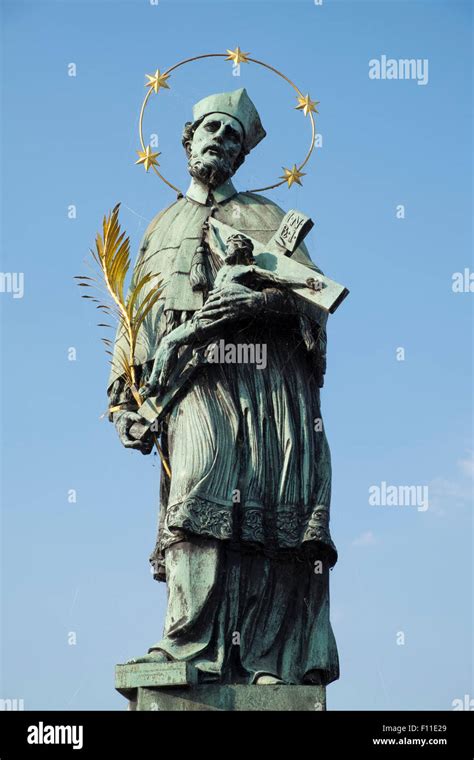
<point>82,567</point>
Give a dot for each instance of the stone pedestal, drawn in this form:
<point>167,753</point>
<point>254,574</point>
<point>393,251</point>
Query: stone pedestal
<point>174,686</point>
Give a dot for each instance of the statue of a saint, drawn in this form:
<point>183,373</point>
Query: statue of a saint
<point>243,541</point>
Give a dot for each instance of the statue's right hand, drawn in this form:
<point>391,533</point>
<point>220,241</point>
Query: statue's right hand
<point>130,427</point>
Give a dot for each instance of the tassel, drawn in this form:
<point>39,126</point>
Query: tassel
<point>198,274</point>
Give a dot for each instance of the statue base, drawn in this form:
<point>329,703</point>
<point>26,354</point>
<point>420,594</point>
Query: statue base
<point>174,686</point>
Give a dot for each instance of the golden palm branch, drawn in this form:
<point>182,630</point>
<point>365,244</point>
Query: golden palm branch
<point>112,256</point>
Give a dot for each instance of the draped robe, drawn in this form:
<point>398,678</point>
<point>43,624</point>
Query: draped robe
<point>250,468</point>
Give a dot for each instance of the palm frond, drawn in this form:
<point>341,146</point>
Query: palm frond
<point>112,257</point>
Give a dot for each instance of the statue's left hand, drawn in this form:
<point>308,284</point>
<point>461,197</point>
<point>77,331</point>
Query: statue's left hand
<point>162,365</point>
<point>228,305</point>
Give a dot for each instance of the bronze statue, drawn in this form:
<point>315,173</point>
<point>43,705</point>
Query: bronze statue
<point>243,541</point>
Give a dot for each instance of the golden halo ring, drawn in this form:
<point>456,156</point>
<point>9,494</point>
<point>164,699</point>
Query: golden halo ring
<point>238,57</point>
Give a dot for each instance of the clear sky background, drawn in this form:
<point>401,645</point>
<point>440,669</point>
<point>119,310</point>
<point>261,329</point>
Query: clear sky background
<point>82,567</point>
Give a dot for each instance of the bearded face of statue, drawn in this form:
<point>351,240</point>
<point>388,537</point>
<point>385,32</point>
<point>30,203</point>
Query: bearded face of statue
<point>215,149</point>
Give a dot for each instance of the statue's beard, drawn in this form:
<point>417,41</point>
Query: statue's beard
<point>212,171</point>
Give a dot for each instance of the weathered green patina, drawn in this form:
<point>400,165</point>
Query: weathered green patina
<point>243,540</point>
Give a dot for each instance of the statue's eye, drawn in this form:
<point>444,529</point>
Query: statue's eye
<point>212,126</point>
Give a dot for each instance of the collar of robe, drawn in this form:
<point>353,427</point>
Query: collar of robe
<point>199,193</point>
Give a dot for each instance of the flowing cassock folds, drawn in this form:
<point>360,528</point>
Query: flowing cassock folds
<point>251,471</point>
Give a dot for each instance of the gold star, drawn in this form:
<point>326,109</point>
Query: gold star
<point>293,175</point>
<point>307,105</point>
<point>157,80</point>
<point>147,158</point>
<point>237,56</point>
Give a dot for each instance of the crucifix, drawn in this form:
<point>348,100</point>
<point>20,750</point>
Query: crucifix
<point>272,265</point>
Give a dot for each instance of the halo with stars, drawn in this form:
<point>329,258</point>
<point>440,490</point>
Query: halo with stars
<point>159,81</point>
